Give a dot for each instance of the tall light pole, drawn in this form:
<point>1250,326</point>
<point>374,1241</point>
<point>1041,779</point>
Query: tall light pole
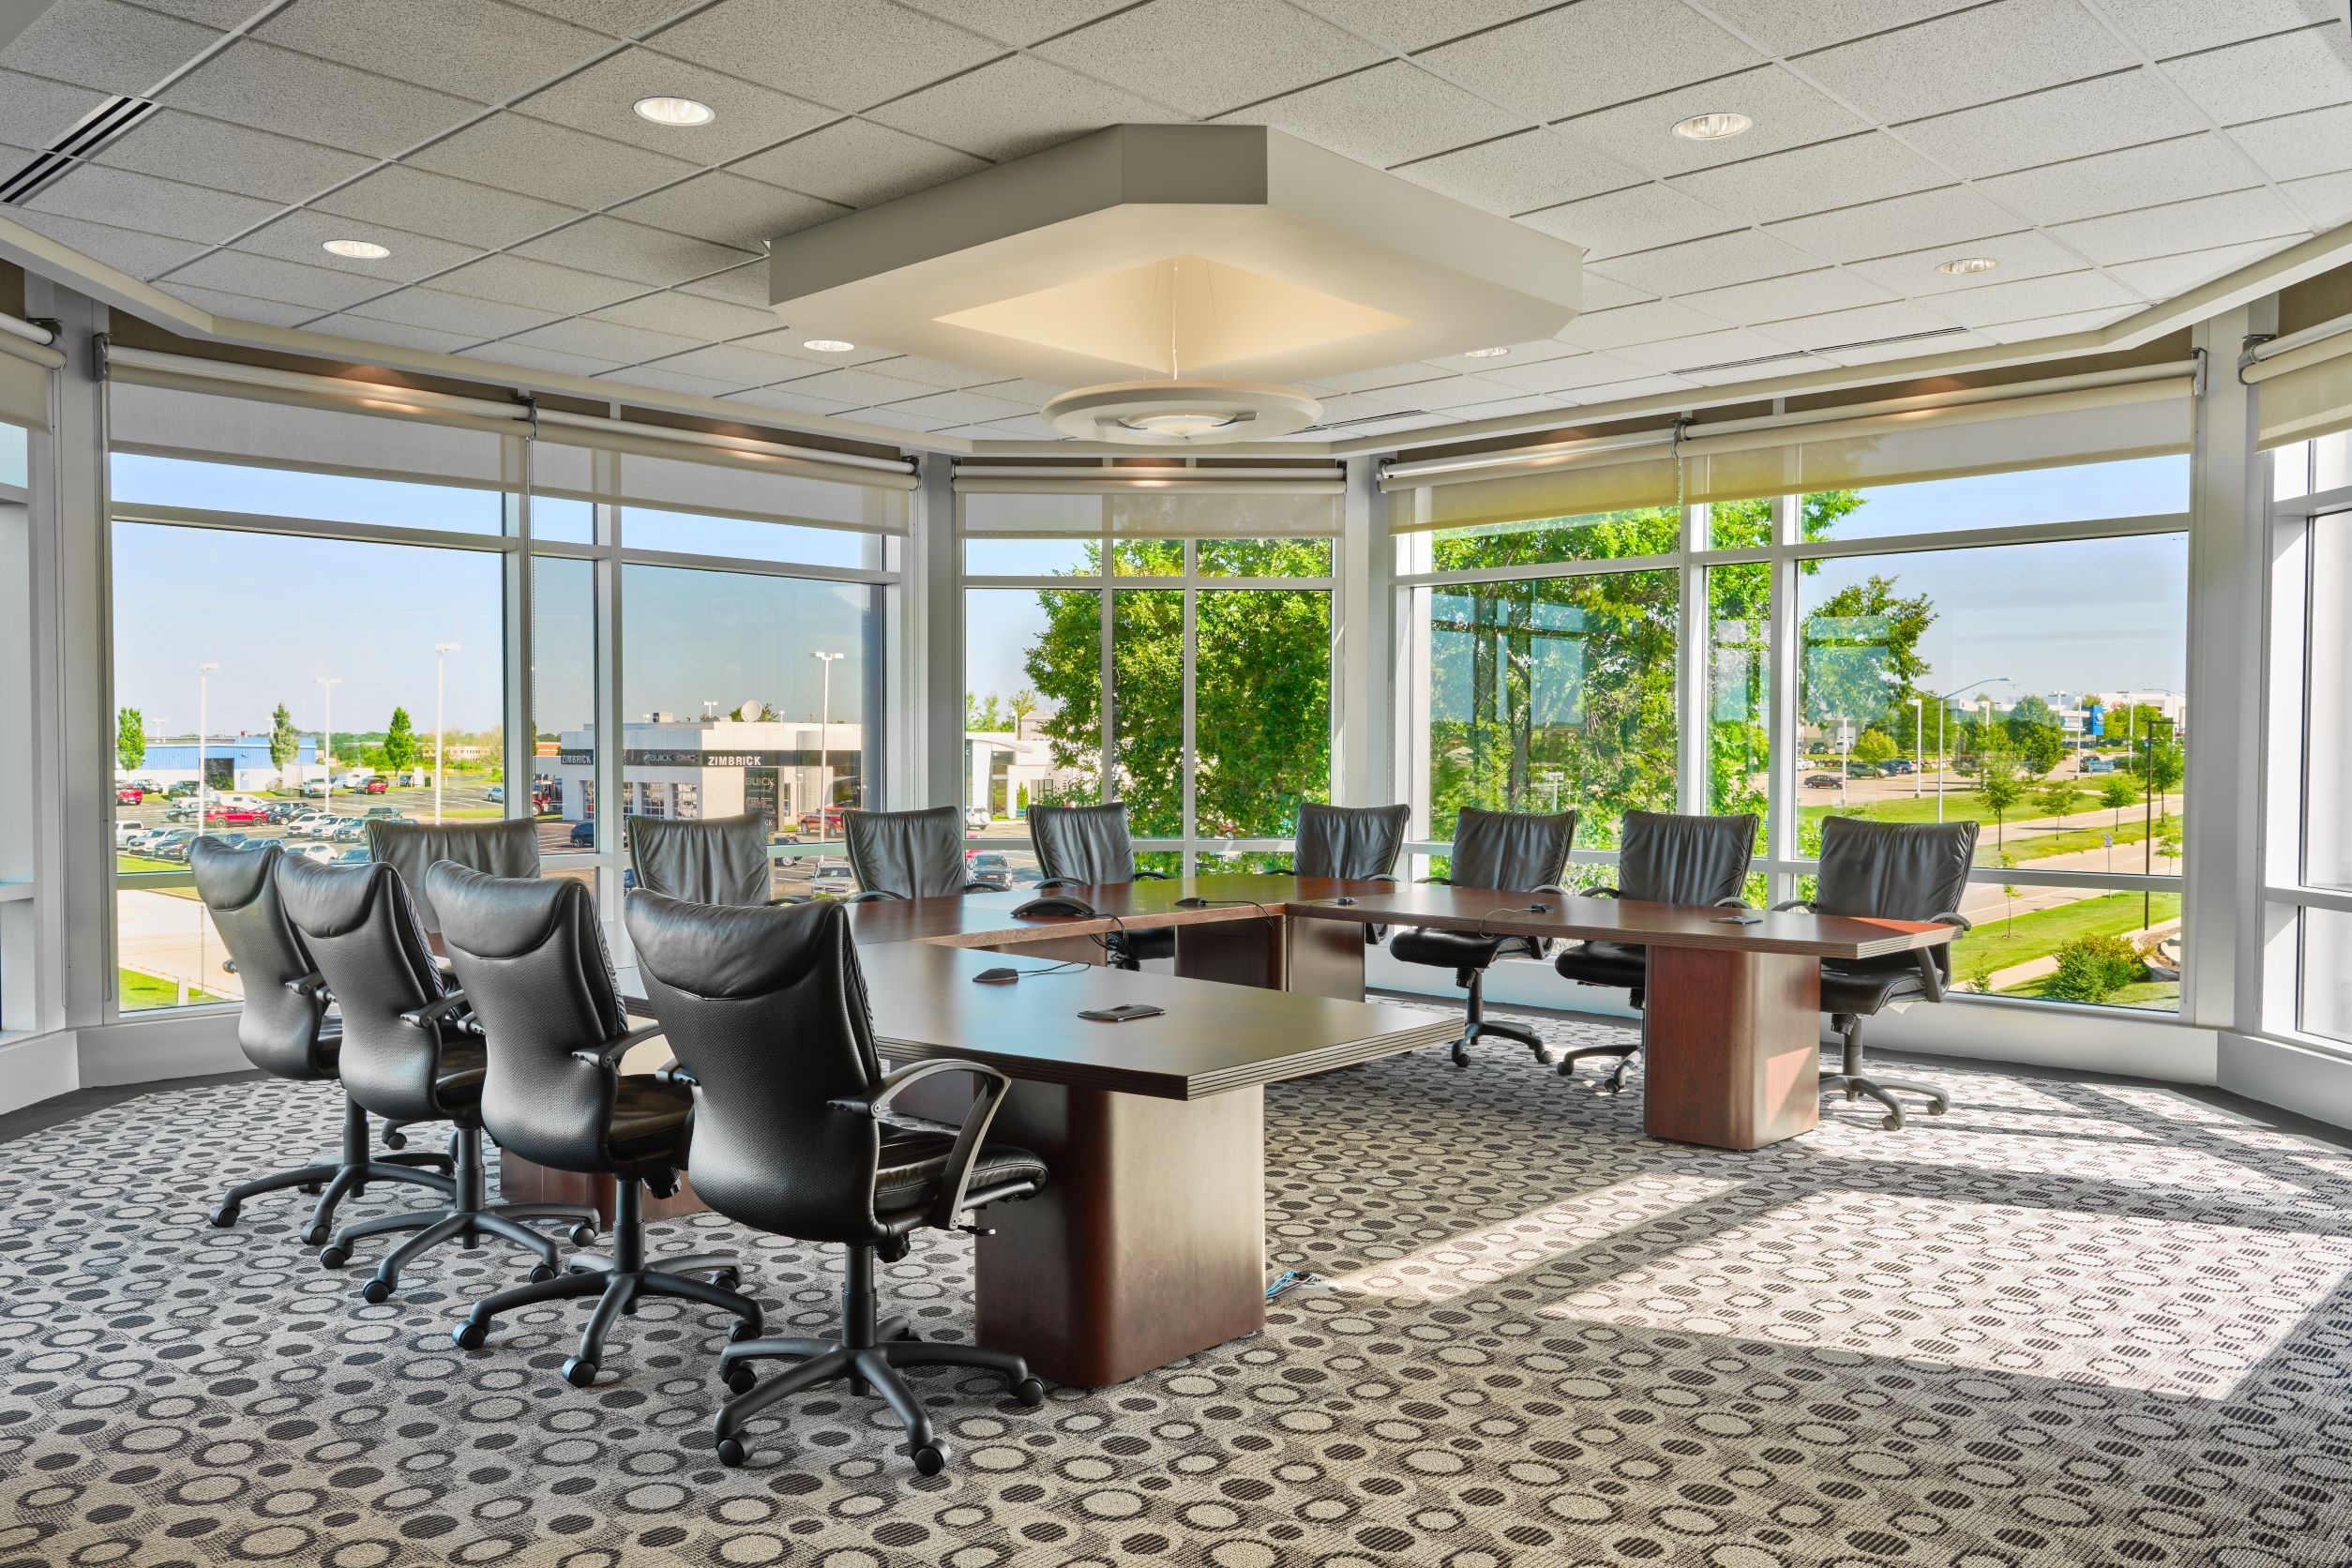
<point>440,655</point>
<point>203,676</point>
<point>1942,704</point>
<point>326,685</point>
<point>1919,748</point>
<point>825,748</point>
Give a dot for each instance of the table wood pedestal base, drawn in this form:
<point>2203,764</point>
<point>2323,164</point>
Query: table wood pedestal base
<point>1731,1054</point>
<point>1148,1245</point>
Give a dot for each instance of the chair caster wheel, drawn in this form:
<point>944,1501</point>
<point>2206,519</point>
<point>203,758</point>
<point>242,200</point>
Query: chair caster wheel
<point>583,1234</point>
<point>730,1453</point>
<point>542,1272</point>
<point>470,1336</point>
<point>334,1256</point>
<point>1893,1123</point>
<point>745,1329</point>
<point>1461,1058</point>
<point>376,1291</point>
<point>726,1279</point>
<point>930,1459</point>
<point>309,1189</point>
<point>395,1140</point>
<point>224,1217</point>
<point>1936,1110</point>
<point>579,1373</point>
<point>318,1235</point>
<point>739,1378</point>
<point>1030,1393</point>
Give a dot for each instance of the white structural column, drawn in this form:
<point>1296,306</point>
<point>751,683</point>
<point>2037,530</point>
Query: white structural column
<point>931,644</point>
<point>1363,669</point>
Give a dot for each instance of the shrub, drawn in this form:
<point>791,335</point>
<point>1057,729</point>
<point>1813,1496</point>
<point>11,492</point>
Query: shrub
<point>2094,968</point>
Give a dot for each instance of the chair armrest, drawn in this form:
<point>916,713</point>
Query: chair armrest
<point>791,898</point>
<point>1381,876</point>
<point>1046,883</point>
<point>434,1015</point>
<point>1603,893</point>
<point>1931,972</point>
<point>608,1055</point>
<point>1804,904</point>
<point>1550,887</point>
<point>228,966</point>
<point>472,1077</point>
<point>312,984</point>
<point>871,896</point>
<point>1729,904</point>
<point>985,887</point>
<point>671,1072</point>
<point>1440,882</point>
<point>1154,876</point>
<point>1953,917</point>
<point>991,1086</point>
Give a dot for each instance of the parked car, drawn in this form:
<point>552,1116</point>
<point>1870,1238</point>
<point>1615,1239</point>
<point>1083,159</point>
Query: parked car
<point>989,868</point>
<point>315,790</point>
<point>311,849</point>
<point>129,831</point>
<point>1822,781</point>
<point>308,825</point>
<point>184,788</point>
<point>1897,766</point>
<point>129,794</point>
<point>495,794</point>
<point>171,844</point>
<point>583,836</point>
<point>234,816</point>
<point>386,813</point>
<point>350,857</point>
<point>834,877</point>
<point>828,824</point>
<point>975,818</point>
<point>283,810</point>
<point>2096,764</point>
<point>348,830</point>
<point>375,786</point>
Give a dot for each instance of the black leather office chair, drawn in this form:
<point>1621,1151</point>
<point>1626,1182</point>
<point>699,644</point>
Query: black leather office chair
<point>284,1030</point>
<point>703,860</point>
<point>1512,852</point>
<point>1089,846</point>
<point>1887,871</point>
<point>503,849</point>
<point>408,1055</point>
<point>533,962</point>
<point>906,854</point>
<point>1664,859</point>
<point>1361,841</point>
<point>794,1135</point>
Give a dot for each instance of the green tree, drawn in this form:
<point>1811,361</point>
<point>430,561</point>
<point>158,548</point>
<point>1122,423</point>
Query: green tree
<point>284,743</point>
<point>2008,896</point>
<point>2040,748</point>
<point>1999,787</point>
<point>1018,708</point>
<point>984,715</point>
<point>1873,745</point>
<point>1021,801</point>
<point>2094,967</point>
<point>130,739</point>
<point>1862,663</point>
<point>2117,793</point>
<point>2164,768</point>
<point>2057,798</point>
<point>399,750</point>
<point>2030,713</point>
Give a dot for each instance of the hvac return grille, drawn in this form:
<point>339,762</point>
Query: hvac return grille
<point>88,135</point>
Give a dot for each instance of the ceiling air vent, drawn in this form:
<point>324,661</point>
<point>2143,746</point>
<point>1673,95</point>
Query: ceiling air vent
<point>89,134</point>
<point>1808,354</point>
<point>1369,419</point>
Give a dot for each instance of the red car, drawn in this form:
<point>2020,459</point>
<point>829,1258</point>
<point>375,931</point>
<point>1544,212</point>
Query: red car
<point>829,823</point>
<point>374,787</point>
<point>234,816</point>
<point>129,794</point>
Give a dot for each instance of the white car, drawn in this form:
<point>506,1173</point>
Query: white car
<point>309,849</point>
<point>975,818</point>
<point>127,831</point>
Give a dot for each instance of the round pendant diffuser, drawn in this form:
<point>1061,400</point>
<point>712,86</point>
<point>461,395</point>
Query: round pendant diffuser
<point>1180,413</point>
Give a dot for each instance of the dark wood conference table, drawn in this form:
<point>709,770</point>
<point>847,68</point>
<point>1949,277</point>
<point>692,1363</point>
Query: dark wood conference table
<point>1149,1243</point>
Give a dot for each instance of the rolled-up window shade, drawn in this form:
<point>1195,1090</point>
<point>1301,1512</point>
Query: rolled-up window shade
<point>994,508</point>
<point>2308,395</point>
<point>1616,481</point>
<point>158,415</point>
<point>715,482</point>
<point>23,389</point>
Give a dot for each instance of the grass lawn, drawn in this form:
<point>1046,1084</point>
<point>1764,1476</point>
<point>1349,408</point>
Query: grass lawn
<point>138,991</point>
<point>2045,932</point>
<point>2162,995</point>
<point>127,861</point>
<point>2026,846</point>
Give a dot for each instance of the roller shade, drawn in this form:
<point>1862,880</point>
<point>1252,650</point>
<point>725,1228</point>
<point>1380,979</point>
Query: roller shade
<point>585,465</point>
<point>23,385</point>
<point>177,417</point>
<point>2304,391</point>
<point>1618,480</point>
<point>1193,507</point>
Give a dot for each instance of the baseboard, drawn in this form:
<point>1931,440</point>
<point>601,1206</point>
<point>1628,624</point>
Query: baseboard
<point>147,1049</point>
<point>37,1067</point>
<point>2313,1083</point>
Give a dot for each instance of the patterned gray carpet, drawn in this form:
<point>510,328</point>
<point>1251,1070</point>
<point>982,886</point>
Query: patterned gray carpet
<point>2074,1324</point>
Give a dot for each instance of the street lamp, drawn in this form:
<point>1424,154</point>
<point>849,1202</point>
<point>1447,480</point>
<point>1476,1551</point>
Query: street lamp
<point>326,685</point>
<point>1919,748</point>
<point>1941,703</point>
<point>441,654</point>
<point>204,675</point>
<point>825,749</point>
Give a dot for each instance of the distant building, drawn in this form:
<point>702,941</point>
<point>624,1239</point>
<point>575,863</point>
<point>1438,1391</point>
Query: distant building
<point>714,767</point>
<point>231,762</point>
<point>1000,766</point>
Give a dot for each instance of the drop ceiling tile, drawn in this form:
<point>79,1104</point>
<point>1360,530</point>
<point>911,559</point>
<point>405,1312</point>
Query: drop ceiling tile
<point>2076,120</point>
<point>1799,294</point>
<point>1016,106</point>
<point>2267,77</point>
<point>1253,52</point>
<point>398,334</point>
<point>934,372</point>
<point>1520,355</point>
<point>101,195</point>
<point>535,285</point>
<point>742,285</point>
<point>2028,253</point>
<point>1728,375</point>
<point>861,387</point>
<point>1636,324</point>
<point>288,283</point>
<point>1786,111</point>
<point>439,311</point>
<point>846,53</point>
<point>734,365</point>
<point>2169,27</point>
<point>786,343</point>
<point>858,163</point>
<point>1445,392</point>
<point>1793,29</point>
<point>1035,394</point>
<point>621,250</point>
<point>688,316</point>
<point>399,197</point>
<point>1017,22</point>
<point>900,419</point>
<point>1342,407</point>
<point>552,162</point>
<point>2296,146</point>
<point>1950,342</point>
<point>602,98</point>
<point>35,111</point>
<point>1567,375</point>
<point>1607,294</point>
<point>2325,199</point>
<point>488,54</point>
<point>1639,217</point>
<point>600,340</point>
<point>2055,327</point>
<point>2029,297</point>
<point>1679,356</point>
<point>1408,25</point>
<point>1622,391</point>
<point>299,237</point>
<point>235,306</point>
<point>1899,224</point>
<point>2129,236</point>
<point>1386,376</point>
<point>1970,57</point>
<point>670,381</point>
<point>619,19</point>
<point>1867,168</point>
<point>128,250</point>
<point>538,359</point>
<point>728,209</point>
<point>2174,171</point>
<point>253,84</point>
<point>1383,116</point>
<point>1706,264</point>
<point>796,402</point>
<point>2164,277</point>
<point>222,14</point>
<point>1031,429</point>
<point>176,146</point>
<point>99,43</point>
<point>1825,331</point>
<point>1580,57</point>
<point>961,408</point>
<point>1518,173</point>
<point>1509,408</point>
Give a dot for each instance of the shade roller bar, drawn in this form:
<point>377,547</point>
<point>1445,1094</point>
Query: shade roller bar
<point>1016,510</point>
<point>628,473</point>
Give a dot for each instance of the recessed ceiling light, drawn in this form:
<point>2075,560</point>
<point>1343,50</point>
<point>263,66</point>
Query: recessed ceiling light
<point>1960,266</point>
<point>1712,127</point>
<point>1485,354</point>
<point>358,249</point>
<point>829,345</point>
<point>675,110</point>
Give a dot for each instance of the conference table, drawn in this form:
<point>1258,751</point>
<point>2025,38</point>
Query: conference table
<point>1148,1245</point>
